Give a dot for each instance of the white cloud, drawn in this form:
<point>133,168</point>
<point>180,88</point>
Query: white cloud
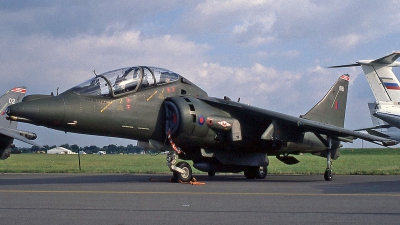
<point>265,23</point>
<point>216,7</point>
<point>291,53</point>
<point>347,42</point>
<point>50,60</point>
<point>247,82</point>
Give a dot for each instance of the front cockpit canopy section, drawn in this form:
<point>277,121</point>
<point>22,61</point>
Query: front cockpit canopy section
<point>125,80</point>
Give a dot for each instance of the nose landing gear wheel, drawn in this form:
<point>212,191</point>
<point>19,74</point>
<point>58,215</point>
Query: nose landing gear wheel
<point>186,176</point>
<point>211,173</point>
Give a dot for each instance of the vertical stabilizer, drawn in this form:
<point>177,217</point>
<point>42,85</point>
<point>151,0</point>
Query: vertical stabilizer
<point>332,107</point>
<point>7,127</point>
<point>384,84</point>
<point>12,96</point>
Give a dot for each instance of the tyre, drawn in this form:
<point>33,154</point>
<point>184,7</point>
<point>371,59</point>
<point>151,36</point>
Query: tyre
<point>328,175</point>
<point>261,172</point>
<point>249,173</point>
<point>211,173</point>
<point>187,175</point>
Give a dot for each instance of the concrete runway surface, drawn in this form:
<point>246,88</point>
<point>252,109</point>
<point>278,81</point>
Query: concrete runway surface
<point>223,199</point>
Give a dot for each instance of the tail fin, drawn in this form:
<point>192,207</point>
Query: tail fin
<point>6,140</point>
<point>332,107</point>
<point>12,96</point>
<point>384,84</point>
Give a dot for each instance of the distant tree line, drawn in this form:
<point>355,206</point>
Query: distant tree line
<point>109,149</point>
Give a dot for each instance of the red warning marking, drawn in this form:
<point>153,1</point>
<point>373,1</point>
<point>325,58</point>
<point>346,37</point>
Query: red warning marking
<point>19,90</point>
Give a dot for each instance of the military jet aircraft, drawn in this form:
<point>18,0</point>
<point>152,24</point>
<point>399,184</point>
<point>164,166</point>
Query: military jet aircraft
<point>8,129</point>
<point>167,112</point>
<point>386,88</point>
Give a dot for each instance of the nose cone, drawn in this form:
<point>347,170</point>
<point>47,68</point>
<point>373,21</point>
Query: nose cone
<point>39,110</point>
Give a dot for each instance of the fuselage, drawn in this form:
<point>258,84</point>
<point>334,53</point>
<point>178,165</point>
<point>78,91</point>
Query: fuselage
<point>108,106</point>
<point>147,103</point>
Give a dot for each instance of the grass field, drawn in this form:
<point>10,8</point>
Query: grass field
<point>357,161</point>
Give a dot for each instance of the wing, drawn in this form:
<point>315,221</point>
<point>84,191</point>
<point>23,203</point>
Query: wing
<point>15,135</point>
<point>296,123</point>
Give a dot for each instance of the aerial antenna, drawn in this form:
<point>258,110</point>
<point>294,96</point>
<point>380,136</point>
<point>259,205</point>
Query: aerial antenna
<point>57,90</point>
<point>94,71</point>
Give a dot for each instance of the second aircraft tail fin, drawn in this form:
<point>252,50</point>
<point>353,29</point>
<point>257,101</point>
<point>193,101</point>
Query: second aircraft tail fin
<point>332,107</point>
<point>384,84</point>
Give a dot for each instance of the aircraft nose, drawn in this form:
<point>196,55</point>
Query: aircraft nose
<point>39,110</point>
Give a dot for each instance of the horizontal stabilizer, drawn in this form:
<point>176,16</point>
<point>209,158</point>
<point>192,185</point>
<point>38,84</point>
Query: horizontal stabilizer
<point>348,65</point>
<point>385,60</point>
<point>389,59</point>
<point>377,133</point>
<point>385,126</point>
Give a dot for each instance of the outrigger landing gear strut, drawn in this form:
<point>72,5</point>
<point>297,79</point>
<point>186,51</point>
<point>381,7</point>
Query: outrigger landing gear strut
<point>328,172</point>
<point>182,170</point>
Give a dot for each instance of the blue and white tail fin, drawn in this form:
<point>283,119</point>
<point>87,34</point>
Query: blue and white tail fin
<point>384,84</point>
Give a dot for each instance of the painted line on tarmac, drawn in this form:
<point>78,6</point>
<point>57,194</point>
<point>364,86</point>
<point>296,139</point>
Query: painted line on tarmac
<point>198,193</point>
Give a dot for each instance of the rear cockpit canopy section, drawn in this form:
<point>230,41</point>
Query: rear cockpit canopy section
<point>125,80</point>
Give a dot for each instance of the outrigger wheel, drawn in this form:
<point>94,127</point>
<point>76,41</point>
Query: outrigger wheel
<point>328,175</point>
<point>186,176</point>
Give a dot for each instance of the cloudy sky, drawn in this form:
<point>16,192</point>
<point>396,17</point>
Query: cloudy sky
<point>271,54</point>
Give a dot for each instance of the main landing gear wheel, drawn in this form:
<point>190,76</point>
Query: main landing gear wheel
<point>186,176</point>
<point>258,172</point>
<point>262,172</point>
<point>328,175</point>
<point>211,173</point>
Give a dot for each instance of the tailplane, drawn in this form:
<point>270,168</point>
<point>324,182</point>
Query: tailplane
<point>384,84</point>
<point>332,107</point>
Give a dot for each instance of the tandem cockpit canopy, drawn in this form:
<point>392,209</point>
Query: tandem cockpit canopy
<point>125,80</point>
